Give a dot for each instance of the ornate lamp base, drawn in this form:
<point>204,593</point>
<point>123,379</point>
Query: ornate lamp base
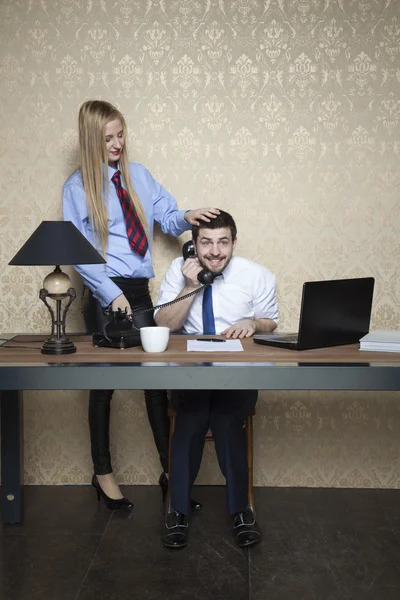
<point>54,345</point>
<point>58,343</point>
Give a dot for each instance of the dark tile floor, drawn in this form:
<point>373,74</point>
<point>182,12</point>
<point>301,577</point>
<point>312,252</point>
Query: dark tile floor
<point>318,544</point>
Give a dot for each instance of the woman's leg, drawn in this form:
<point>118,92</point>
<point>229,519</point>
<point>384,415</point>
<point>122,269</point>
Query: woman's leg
<point>156,400</point>
<point>157,413</point>
<point>99,412</point>
<point>138,296</point>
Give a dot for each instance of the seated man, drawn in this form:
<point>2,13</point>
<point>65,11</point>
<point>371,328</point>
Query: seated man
<point>239,303</point>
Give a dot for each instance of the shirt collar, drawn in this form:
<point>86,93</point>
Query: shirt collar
<point>111,171</point>
<point>226,272</point>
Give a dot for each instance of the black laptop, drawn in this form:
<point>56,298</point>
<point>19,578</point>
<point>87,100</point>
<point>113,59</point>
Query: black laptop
<point>333,313</point>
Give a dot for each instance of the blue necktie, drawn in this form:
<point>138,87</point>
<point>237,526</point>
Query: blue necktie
<point>208,312</point>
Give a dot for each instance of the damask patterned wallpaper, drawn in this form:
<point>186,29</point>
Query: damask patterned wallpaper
<point>284,112</point>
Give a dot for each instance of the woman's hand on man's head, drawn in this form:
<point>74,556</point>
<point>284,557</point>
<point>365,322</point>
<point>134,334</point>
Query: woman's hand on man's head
<point>193,217</point>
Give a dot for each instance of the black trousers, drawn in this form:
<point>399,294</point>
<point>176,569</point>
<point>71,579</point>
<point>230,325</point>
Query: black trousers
<point>224,412</point>
<point>138,296</point>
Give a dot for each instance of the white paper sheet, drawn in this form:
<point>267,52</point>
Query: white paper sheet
<point>226,346</point>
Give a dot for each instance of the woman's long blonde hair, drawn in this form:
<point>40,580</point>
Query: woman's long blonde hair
<point>93,118</point>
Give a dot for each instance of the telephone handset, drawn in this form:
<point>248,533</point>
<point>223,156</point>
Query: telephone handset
<point>188,251</point>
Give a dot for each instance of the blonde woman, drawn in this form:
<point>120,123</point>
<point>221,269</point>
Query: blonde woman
<point>114,203</point>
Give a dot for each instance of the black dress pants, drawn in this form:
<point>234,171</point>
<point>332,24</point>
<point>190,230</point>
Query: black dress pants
<point>224,412</point>
<point>138,296</point>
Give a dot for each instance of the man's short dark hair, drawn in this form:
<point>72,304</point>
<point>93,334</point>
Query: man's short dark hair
<point>224,219</point>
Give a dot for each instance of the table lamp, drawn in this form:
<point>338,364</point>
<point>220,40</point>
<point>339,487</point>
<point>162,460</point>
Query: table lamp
<point>57,243</point>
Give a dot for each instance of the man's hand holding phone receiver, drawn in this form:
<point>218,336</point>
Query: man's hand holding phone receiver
<point>204,276</point>
<point>190,270</point>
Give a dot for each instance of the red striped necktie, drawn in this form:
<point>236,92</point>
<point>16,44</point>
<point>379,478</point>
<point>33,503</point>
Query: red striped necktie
<point>134,229</point>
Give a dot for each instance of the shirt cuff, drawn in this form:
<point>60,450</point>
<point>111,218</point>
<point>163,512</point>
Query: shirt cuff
<point>106,292</point>
<point>182,224</point>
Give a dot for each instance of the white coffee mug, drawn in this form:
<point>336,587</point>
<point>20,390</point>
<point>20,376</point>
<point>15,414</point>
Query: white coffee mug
<point>154,339</point>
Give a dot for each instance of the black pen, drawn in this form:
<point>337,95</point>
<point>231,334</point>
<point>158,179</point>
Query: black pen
<point>209,340</point>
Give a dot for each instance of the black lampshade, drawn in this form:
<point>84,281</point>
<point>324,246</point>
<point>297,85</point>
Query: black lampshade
<point>57,243</point>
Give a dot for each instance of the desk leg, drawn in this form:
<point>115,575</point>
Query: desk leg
<point>12,456</point>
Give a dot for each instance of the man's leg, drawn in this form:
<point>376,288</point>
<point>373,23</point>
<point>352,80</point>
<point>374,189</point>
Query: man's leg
<point>229,410</point>
<point>191,425</point>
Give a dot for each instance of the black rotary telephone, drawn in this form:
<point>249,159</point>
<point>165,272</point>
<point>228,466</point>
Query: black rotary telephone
<point>119,332</point>
<point>189,251</point>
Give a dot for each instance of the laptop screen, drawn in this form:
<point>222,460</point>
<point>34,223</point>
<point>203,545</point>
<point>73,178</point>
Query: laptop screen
<point>335,312</point>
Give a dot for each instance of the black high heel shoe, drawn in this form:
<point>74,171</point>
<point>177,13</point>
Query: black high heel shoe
<point>163,481</point>
<point>111,503</point>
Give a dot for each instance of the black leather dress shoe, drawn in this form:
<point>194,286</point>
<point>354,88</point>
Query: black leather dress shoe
<point>163,481</point>
<point>175,530</point>
<point>245,528</point>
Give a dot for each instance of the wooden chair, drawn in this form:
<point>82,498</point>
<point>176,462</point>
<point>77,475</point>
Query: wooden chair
<point>172,412</point>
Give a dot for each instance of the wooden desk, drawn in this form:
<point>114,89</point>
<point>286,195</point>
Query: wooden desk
<point>258,367</point>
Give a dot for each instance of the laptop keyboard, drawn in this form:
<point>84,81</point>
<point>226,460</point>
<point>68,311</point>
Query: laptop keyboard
<point>290,337</point>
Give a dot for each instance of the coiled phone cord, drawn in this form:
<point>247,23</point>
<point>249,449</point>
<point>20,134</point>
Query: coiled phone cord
<point>145,310</point>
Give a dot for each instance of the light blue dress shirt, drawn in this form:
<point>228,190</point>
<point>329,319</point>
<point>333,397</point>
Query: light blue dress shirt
<point>158,205</point>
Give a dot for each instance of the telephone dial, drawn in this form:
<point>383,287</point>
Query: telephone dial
<point>189,251</point>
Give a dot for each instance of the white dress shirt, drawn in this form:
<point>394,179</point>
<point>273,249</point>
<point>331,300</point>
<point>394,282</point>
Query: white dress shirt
<point>245,290</point>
